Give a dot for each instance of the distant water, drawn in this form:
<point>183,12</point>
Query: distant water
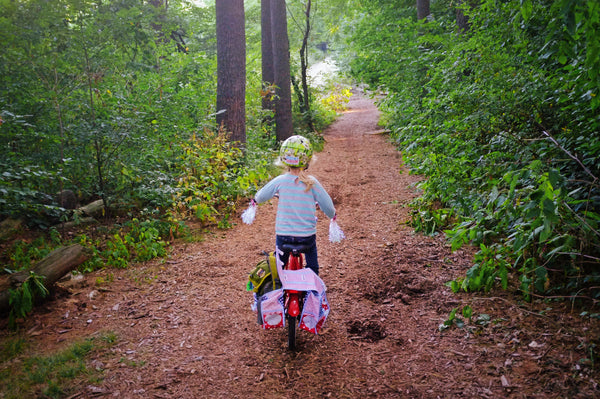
<point>321,72</point>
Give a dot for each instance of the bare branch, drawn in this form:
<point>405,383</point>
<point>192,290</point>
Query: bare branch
<point>573,157</point>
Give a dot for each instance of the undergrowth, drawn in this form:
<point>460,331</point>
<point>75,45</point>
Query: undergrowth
<point>51,375</point>
<point>502,120</point>
<point>212,177</point>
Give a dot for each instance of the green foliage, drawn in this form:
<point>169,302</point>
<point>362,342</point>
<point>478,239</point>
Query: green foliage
<point>21,299</point>
<point>96,261</point>
<point>117,252</point>
<point>145,240</point>
<point>502,120</point>
<point>52,375</point>
<point>455,320</point>
<point>23,254</point>
<point>490,265</point>
<point>212,178</point>
<point>137,241</point>
<point>101,92</point>
<point>466,321</point>
<point>326,103</point>
<point>428,219</point>
<point>335,98</point>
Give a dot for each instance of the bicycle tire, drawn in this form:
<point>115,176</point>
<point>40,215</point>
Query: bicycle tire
<point>291,322</point>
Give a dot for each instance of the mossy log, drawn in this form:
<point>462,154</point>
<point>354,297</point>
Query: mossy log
<point>53,267</point>
<point>94,209</point>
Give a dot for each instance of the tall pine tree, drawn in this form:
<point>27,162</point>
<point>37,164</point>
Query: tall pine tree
<point>281,66</point>
<point>231,68</point>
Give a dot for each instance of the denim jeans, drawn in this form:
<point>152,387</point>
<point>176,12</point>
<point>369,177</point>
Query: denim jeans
<point>311,255</point>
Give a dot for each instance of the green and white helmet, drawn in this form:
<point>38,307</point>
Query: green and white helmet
<point>296,152</point>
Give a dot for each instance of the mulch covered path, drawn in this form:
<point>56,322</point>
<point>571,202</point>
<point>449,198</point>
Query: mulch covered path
<point>185,329</point>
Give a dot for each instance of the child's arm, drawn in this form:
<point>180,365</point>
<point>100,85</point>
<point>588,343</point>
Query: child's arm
<point>324,200</point>
<point>326,204</point>
<point>264,194</point>
<point>267,192</point>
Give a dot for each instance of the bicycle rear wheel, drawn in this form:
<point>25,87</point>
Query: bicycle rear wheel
<point>291,322</point>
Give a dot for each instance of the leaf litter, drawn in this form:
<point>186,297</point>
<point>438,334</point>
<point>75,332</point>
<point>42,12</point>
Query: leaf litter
<point>185,328</point>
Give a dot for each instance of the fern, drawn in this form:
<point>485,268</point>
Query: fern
<point>21,299</point>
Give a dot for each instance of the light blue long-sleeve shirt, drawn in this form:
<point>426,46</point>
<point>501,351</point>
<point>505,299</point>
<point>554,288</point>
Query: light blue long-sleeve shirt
<point>296,211</point>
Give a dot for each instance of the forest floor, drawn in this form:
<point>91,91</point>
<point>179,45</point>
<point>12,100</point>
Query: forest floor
<point>184,327</point>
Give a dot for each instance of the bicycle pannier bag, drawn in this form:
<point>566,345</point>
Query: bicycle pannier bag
<point>315,312</point>
<point>271,309</point>
<point>264,277</point>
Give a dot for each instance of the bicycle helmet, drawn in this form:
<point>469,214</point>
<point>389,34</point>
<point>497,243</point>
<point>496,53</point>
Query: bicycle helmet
<point>296,152</point>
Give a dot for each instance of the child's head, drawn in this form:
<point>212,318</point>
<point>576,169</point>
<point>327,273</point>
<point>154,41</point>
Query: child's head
<point>296,152</point>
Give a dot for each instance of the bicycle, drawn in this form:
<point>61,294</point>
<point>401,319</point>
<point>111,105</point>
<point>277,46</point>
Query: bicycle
<point>293,301</point>
<point>289,294</point>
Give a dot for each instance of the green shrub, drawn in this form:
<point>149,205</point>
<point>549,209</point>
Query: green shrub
<point>213,176</point>
<point>502,121</point>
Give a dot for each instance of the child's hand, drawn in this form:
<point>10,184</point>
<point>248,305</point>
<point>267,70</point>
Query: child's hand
<point>249,214</point>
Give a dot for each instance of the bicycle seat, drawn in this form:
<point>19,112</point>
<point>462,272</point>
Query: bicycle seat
<point>295,249</point>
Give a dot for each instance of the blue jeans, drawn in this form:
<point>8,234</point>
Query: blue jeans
<point>311,255</point>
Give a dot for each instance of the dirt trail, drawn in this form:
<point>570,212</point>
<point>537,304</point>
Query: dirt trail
<point>185,328</point>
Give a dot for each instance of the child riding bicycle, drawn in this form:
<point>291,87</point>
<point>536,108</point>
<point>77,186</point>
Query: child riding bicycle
<point>295,230</point>
<point>298,193</point>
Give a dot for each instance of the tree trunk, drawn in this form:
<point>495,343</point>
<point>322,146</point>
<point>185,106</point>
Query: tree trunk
<point>231,68</point>
<point>462,21</point>
<point>304,67</point>
<point>422,9</point>
<point>268,74</point>
<point>52,267</point>
<point>281,65</point>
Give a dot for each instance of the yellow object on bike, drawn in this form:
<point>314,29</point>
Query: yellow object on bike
<point>264,277</point>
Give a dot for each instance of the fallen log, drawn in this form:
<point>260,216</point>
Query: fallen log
<point>93,209</point>
<point>58,263</point>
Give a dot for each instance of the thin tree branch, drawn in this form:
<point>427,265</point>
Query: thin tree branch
<point>573,157</point>
<point>579,254</point>
<point>582,220</point>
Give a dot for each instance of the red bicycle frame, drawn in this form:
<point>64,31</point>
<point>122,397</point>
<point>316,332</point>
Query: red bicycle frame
<point>292,303</point>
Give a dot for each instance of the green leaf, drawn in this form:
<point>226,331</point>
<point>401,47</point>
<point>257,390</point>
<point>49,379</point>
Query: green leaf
<point>452,316</point>
<point>541,277</point>
<point>562,59</point>
<point>467,312</point>
<point>526,9</point>
<point>454,286</point>
<point>554,177</point>
<point>40,288</point>
<point>503,273</point>
<point>546,230</point>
